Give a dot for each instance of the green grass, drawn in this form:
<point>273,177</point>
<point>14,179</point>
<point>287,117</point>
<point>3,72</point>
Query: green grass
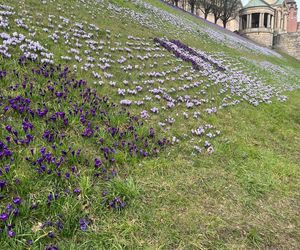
<point>243,196</point>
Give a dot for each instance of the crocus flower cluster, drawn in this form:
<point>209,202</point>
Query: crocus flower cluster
<point>4,150</point>
<point>67,139</point>
<point>155,18</point>
<point>188,54</point>
<point>52,116</point>
<point>117,203</point>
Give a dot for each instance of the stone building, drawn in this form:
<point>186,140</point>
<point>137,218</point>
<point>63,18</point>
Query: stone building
<point>262,20</point>
<point>258,19</point>
<point>271,23</point>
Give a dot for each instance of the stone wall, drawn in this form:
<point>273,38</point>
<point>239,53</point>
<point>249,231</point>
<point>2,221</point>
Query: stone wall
<point>256,35</point>
<point>288,43</point>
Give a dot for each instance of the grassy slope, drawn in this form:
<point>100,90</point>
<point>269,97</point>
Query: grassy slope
<point>244,196</point>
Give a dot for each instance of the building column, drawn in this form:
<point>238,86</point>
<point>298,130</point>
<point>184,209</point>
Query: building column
<point>247,22</point>
<point>261,18</point>
<point>272,22</point>
<point>250,21</point>
<point>285,23</point>
<point>269,21</point>
<point>275,19</point>
<point>279,20</point>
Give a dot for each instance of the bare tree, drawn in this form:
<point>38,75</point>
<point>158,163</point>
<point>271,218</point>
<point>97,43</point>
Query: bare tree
<point>217,9</point>
<point>192,3</point>
<point>230,10</point>
<point>175,2</point>
<point>205,6</point>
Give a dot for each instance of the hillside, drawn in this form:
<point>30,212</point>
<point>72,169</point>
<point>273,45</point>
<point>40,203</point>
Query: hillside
<point>131,124</point>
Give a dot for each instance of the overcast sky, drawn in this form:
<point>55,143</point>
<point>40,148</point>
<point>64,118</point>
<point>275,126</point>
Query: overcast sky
<point>298,3</point>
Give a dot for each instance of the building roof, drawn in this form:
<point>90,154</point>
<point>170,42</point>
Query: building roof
<point>257,3</point>
<point>279,2</point>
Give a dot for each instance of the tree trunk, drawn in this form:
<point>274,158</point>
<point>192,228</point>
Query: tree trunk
<point>176,3</point>
<point>205,15</point>
<point>216,19</point>
<point>224,23</point>
<point>192,8</point>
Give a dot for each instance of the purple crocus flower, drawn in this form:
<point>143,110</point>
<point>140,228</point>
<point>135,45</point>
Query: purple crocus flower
<point>59,94</point>
<point>88,132</point>
<point>8,128</point>
<point>2,73</point>
<point>56,195</point>
<point>34,206</point>
<point>98,163</point>
<point>51,234</point>
<point>77,191</point>
<point>66,121</point>
<point>26,125</point>
<point>9,208</point>
<point>151,133</point>
<point>2,184</point>
<point>51,248</point>
<point>83,224</point>
<point>16,212</point>
<point>59,225</point>
<point>11,233</point>
<point>17,200</point>
<point>42,113</point>
<point>48,136</point>
<point>43,150</point>
<point>4,216</point>
<point>117,203</point>
<point>15,133</point>
<point>29,138</point>
<point>7,168</point>
<point>50,197</point>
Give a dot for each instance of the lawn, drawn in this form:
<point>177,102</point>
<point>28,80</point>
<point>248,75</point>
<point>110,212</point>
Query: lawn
<point>133,125</point>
